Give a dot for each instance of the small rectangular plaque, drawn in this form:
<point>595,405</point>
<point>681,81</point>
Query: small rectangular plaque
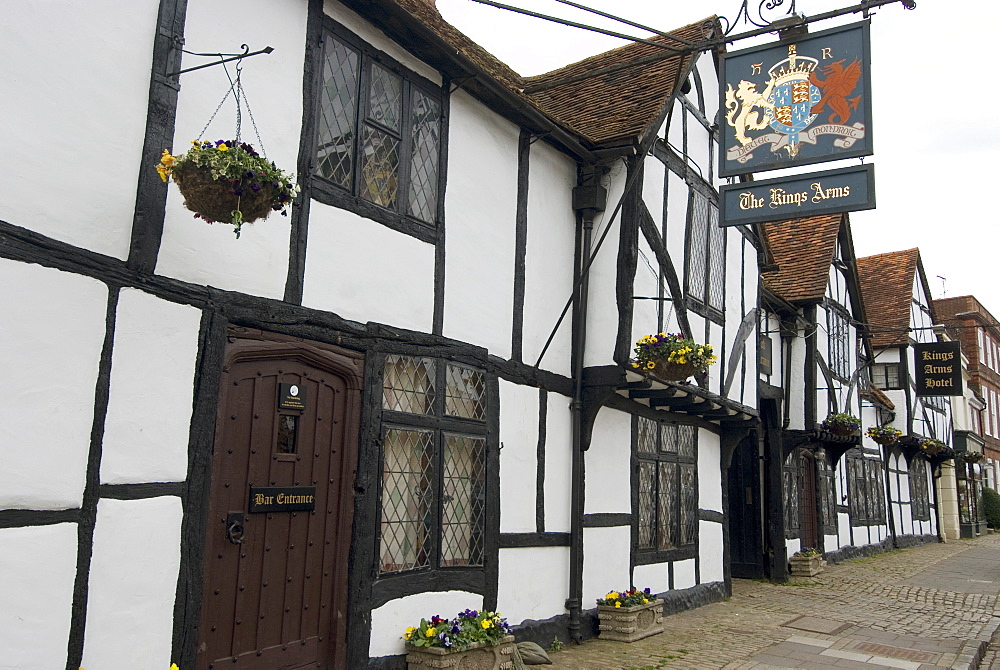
<point>292,396</point>
<point>282,499</point>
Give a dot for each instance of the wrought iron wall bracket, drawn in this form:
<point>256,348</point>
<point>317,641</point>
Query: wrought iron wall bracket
<point>246,54</point>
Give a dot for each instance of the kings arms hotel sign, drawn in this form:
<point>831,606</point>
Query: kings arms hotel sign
<point>797,102</point>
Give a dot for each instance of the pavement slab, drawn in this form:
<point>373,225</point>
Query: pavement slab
<point>930,607</point>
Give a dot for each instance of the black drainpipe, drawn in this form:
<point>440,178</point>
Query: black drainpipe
<point>588,198</point>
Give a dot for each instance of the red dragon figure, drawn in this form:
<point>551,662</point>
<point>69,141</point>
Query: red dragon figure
<point>840,82</point>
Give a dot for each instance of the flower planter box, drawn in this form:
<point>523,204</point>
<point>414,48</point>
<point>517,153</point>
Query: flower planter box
<point>673,372</point>
<point>480,656</point>
<point>807,566</point>
<point>628,624</point>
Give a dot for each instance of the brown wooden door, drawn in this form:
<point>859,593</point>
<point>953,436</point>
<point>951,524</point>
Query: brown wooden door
<point>275,590</point>
<point>807,504</point>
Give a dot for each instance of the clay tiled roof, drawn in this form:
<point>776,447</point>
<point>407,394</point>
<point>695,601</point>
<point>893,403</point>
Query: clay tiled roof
<point>605,109</point>
<point>887,290</point>
<point>622,103</point>
<point>803,249</point>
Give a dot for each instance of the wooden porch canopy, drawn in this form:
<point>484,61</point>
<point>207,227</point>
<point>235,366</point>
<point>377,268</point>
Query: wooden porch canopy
<point>687,399</point>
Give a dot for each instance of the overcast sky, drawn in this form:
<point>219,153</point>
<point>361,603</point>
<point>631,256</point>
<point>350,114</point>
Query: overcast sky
<point>935,114</point>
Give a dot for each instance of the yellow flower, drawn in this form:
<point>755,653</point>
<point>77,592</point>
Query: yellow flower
<point>650,365</point>
<point>409,632</point>
<point>487,624</point>
<point>430,632</point>
<point>635,364</point>
<point>611,596</point>
<point>173,666</point>
<point>222,147</point>
<point>645,600</point>
<point>618,605</point>
<point>681,360</point>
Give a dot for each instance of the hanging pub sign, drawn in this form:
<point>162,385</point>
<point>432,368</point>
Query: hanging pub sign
<point>797,102</point>
<point>844,190</point>
<point>291,396</point>
<point>938,368</point>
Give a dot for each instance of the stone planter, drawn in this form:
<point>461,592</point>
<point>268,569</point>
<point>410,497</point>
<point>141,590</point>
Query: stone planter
<point>628,624</point>
<point>807,566</point>
<point>480,656</point>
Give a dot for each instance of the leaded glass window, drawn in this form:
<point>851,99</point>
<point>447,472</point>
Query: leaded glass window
<point>839,337</point>
<point>865,490</point>
<point>434,457</point>
<point>791,489</point>
<point>379,133</point>
<point>705,276</point>
<point>886,376</point>
<point>920,503</point>
<point>666,486</point>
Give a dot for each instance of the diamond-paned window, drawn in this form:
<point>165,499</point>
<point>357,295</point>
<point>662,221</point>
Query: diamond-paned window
<point>407,499</point>
<point>666,487</point>
<point>465,393</point>
<point>463,500</point>
<point>705,274</point>
<point>434,472</point>
<point>379,134</point>
<point>408,384</point>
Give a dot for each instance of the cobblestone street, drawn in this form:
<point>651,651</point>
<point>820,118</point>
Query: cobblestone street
<point>932,606</point>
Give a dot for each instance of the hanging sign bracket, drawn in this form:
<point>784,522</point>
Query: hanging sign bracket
<point>246,54</point>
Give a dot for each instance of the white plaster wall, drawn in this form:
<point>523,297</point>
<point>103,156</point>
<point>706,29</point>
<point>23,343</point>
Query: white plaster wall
<point>51,337</point>
<point>709,469</point>
<point>558,463</point>
<point>677,202</point>
<point>518,457</point>
<point>608,473</point>
<point>481,206</point>
<point>36,595</point>
<point>391,620</point>
<point>605,562</point>
<point>363,271</point>
<point>656,576</point>
<point>843,529</point>
<point>548,259</point>
<point>534,583</point>
<point>684,576</point>
<point>697,144</point>
<point>133,582</point>
<point>81,188</point>
<point>710,551</point>
<point>152,377</point>
<point>257,263</point>
<point>644,312</point>
<point>602,314</point>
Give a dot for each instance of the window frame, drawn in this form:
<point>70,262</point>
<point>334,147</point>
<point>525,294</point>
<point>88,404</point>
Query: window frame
<point>920,501</point>
<point>865,489</point>
<point>442,426</point>
<point>330,193</point>
<point>700,297</point>
<point>839,348</point>
<point>649,555</point>
<point>900,380</point>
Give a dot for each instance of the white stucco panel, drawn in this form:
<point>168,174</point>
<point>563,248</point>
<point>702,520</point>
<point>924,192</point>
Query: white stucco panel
<point>608,473</point>
<point>710,552</point>
<point>655,577</point>
<point>558,463</point>
<point>391,619</point>
<point>39,568</point>
<point>709,479</point>
<point>481,205</point>
<point>152,379</point>
<point>81,188</point>
<point>363,271</point>
<point>534,583</point>
<point>518,457</point>
<point>605,562</point>
<point>602,314</point>
<point>548,259</point>
<point>684,574</point>
<point>133,581</point>
<point>257,263</point>
<point>51,337</point>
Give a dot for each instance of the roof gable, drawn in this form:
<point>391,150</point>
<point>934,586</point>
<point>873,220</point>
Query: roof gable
<point>887,282</point>
<point>803,249</point>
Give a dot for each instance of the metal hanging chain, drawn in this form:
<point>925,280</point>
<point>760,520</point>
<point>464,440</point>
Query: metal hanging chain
<point>236,89</point>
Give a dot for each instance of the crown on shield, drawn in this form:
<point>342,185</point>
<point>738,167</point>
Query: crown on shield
<point>794,67</point>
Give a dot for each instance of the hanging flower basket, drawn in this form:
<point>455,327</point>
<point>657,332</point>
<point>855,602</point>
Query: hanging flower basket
<point>228,181</point>
<point>884,435</point>
<point>972,457</point>
<point>841,424</point>
<point>932,447</point>
<point>671,357</point>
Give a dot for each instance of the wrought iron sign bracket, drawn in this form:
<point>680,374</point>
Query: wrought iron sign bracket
<point>246,54</point>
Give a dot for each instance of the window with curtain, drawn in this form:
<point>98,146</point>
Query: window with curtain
<point>433,480</point>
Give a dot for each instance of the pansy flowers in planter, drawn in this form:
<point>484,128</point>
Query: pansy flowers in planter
<point>460,632</point>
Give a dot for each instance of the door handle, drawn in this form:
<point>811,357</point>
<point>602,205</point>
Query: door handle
<point>234,527</point>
